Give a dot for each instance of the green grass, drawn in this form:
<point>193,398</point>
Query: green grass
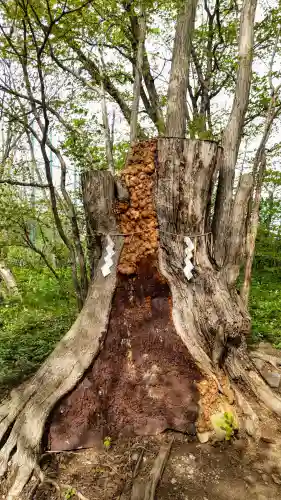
<point>265,305</point>
<point>29,329</point>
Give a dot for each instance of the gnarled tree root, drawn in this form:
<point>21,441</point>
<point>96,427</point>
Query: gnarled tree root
<point>268,358</point>
<point>24,415</point>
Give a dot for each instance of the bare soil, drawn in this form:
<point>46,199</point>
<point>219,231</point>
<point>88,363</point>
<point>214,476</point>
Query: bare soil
<point>235,471</point>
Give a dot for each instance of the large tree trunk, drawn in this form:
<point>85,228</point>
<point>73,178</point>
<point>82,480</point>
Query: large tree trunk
<point>148,339</point>
<point>233,133</point>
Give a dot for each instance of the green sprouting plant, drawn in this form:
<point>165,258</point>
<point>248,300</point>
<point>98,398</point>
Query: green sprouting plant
<point>107,442</point>
<point>228,425</point>
<point>70,493</point>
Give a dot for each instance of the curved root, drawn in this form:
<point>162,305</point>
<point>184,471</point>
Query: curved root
<point>264,393</point>
<point>268,358</point>
<point>251,422</point>
<point>27,410</point>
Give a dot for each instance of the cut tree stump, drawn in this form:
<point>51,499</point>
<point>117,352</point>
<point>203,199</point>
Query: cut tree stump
<point>151,350</point>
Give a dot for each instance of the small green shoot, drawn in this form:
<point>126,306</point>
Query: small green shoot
<point>70,493</point>
<point>228,425</point>
<point>107,442</point>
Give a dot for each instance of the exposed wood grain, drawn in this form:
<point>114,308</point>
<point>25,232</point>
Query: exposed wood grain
<point>184,175</point>
<point>157,470</point>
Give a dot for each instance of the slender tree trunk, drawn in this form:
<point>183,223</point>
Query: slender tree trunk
<point>259,167</point>
<point>176,107</point>
<point>107,135</point>
<point>138,76</point>
<point>152,105</point>
<point>7,276</point>
<point>268,220</point>
<point>252,235</point>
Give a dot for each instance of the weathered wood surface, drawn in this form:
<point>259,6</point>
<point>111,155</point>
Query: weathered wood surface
<point>98,189</point>
<point>182,195</point>
<point>25,413</point>
<point>157,470</point>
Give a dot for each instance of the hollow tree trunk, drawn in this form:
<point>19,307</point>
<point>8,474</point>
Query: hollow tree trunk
<point>167,342</point>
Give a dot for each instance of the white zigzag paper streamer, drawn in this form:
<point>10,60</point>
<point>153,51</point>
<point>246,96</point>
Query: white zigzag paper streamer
<point>187,259</point>
<point>108,262</point>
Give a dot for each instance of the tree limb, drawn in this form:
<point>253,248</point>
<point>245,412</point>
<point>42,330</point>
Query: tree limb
<point>24,184</point>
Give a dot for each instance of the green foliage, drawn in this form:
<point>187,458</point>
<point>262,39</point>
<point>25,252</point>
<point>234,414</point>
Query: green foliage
<point>30,328</point>
<point>107,442</point>
<point>70,493</point>
<point>265,304</point>
<point>120,153</point>
<point>265,298</point>
<point>228,425</point>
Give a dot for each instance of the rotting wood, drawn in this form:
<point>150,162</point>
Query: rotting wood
<point>138,485</point>
<point>145,489</point>
<point>121,190</point>
<point>138,464</point>
<point>181,197</point>
<point>138,489</point>
<point>98,191</point>
<point>184,172</point>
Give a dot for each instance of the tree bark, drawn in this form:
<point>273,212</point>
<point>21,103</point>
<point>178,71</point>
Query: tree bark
<point>236,242</point>
<point>24,415</point>
<point>232,135</point>
<point>251,243</point>
<point>208,319</point>
<point>98,210</point>
<point>182,195</point>
<point>176,106</point>
<point>138,77</point>
<point>208,306</point>
<point>7,276</point>
<point>107,134</point>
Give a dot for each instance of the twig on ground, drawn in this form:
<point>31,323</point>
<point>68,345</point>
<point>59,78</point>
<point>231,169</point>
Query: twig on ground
<point>138,464</point>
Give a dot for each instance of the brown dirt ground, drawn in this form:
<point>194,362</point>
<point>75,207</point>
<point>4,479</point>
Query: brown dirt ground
<point>234,471</point>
